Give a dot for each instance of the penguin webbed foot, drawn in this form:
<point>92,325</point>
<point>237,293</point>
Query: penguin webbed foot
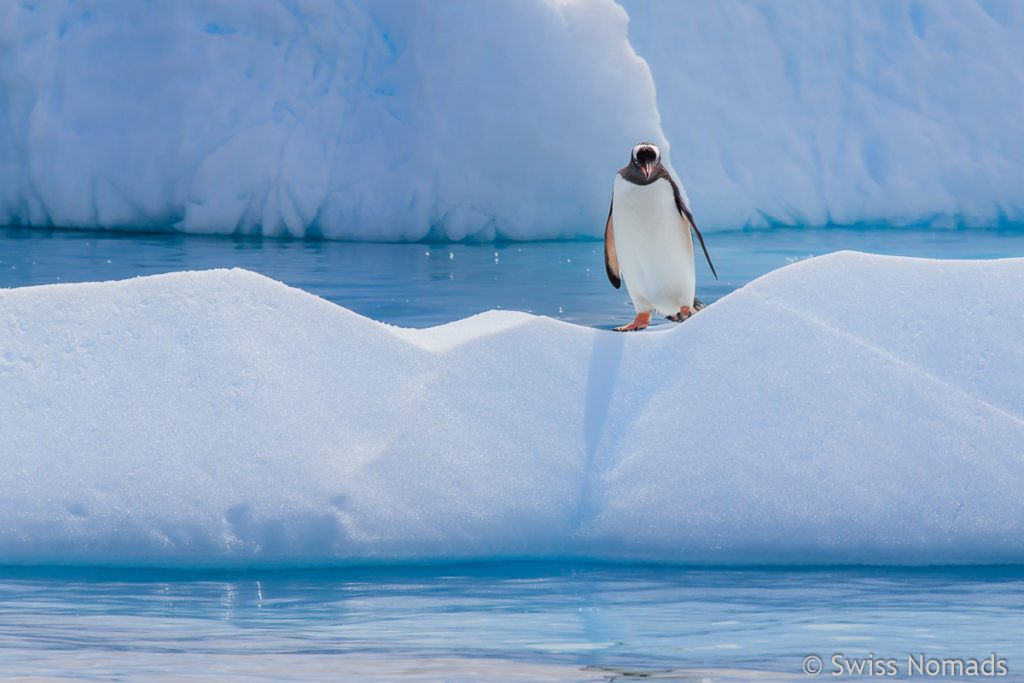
<point>684,313</point>
<point>639,322</point>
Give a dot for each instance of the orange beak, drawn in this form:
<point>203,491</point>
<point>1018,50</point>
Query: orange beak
<point>647,170</point>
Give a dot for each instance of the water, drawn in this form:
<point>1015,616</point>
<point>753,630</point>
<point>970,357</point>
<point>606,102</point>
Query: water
<point>418,285</point>
<point>530,622</point>
<point>499,622</point>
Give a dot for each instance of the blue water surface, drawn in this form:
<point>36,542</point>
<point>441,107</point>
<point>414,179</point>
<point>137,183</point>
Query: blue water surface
<point>501,622</point>
<point>490,622</point>
<point>419,285</point>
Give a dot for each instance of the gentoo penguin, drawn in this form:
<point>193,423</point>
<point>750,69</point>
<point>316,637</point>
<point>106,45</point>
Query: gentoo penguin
<point>647,241</point>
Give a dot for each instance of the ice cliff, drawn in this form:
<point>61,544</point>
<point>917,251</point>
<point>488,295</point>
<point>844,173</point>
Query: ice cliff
<point>401,120</point>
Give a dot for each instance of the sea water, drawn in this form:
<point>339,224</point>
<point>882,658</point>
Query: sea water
<point>495,622</point>
<point>505,622</point>
<point>419,285</point>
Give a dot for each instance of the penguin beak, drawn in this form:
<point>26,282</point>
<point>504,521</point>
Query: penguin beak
<point>647,170</point>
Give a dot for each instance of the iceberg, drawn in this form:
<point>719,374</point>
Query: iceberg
<point>849,408</point>
<point>810,113</point>
<point>366,120</point>
<point>404,120</point>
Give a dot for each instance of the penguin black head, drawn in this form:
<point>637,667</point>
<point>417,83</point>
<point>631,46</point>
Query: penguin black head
<point>645,159</point>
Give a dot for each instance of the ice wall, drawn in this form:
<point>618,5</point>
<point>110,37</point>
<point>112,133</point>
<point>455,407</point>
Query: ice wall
<point>846,409</point>
<point>361,119</point>
<point>807,113</point>
<point>401,119</point>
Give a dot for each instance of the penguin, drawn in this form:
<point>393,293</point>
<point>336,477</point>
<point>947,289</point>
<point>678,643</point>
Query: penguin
<point>647,240</point>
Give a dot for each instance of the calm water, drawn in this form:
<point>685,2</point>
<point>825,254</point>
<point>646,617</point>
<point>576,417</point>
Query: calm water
<point>499,622</point>
<point>418,285</point>
<point>533,622</point>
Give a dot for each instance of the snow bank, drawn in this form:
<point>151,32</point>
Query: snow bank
<point>849,408</point>
<point>807,113</point>
<point>363,119</point>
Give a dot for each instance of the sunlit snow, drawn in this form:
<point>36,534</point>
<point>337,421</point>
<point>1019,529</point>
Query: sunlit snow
<point>846,408</point>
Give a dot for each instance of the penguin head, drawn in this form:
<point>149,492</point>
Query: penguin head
<point>646,157</point>
<point>644,164</point>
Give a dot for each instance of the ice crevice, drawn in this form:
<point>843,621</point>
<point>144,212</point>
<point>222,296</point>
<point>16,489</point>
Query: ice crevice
<point>602,380</point>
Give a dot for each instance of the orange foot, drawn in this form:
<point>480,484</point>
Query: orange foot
<point>639,322</point>
<point>684,313</point>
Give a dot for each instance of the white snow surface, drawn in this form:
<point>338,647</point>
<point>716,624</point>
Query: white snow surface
<point>405,119</point>
<point>845,409</point>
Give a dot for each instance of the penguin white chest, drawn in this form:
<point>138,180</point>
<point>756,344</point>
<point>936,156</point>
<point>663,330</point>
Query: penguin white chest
<point>654,246</point>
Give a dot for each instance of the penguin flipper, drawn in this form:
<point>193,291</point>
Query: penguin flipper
<point>701,238</point>
<point>611,259</point>
<point>684,210</point>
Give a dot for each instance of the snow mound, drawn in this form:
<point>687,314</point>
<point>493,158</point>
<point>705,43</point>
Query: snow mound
<point>809,113</point>
<point>375,120</point>
<point>846,409</point>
